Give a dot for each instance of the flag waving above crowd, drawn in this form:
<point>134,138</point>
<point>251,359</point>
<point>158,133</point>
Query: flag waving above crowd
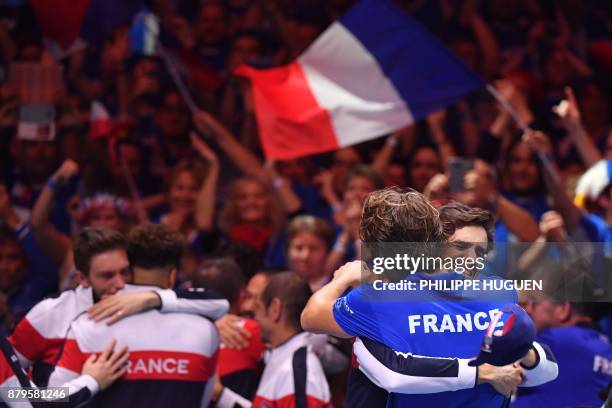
<point>370,73</point>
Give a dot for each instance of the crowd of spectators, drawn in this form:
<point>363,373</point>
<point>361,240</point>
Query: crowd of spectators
<point>204,173</point>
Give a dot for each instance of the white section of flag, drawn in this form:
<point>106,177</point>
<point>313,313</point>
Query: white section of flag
<point>355,102</point>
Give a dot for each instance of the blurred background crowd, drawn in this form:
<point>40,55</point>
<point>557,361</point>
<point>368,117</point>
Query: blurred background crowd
<point>551,60</point>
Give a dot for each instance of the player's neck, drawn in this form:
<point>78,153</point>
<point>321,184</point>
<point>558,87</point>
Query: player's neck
<point>281,335</point>
<point>151,277</point>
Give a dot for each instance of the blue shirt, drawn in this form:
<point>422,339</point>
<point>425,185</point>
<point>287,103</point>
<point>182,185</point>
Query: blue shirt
<point>584,356</point>
<point>438,324</point>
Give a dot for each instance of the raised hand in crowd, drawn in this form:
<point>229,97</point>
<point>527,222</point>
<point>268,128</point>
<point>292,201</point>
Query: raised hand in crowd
<point>436,122</point>
<point>482,191</point>
<point>349,217</point>
<point>54,243</point>
<point>437,190</point>
<point>245,160</point>
<point>539,142</point>
<point>325,181</point>
<point>551,227</point>
<point>569,112</point>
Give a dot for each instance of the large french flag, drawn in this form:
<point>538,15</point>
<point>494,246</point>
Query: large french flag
<point>370,73</point>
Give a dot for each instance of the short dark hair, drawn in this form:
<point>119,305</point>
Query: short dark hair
<point>248,258</point>
<point>93,241</point>
<point>223,275</point>
<point>153,246</point>
<point>292,290</point>
<point>457,215</point>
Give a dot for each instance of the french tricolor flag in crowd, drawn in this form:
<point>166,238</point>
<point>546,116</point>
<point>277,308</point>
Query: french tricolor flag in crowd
<point>370,73</point>
<point>100,122</point>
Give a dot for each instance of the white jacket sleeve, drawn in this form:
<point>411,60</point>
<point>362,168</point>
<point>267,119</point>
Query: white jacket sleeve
<point>545,370</point>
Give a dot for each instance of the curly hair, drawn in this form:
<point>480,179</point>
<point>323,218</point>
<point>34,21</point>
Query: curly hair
<point>399,215</point>
<point>155,246</point>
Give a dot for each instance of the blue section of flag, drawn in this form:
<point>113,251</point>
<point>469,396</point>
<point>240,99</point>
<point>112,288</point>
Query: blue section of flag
<point>424,72</point>
<point>138,32</point>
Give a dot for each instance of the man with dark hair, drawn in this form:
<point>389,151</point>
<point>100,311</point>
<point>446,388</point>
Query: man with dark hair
<point>222,275</point>
<point>293,375</point>
<point>103,268</point>
<point>238,368</point>
<point>469,232</point>
<point>95,253</point>
<point>164,369</point>
<point>459,219</point>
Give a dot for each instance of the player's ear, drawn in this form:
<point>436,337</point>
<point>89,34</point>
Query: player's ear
<point>82,279</point>
<point>564,311</point>
<point>275,309</point>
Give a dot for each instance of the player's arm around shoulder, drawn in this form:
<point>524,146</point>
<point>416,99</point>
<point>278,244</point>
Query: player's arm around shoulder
<point>318,315</point>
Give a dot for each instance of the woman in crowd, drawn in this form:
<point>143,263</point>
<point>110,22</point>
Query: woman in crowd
<point>309,240</point>
<point>251,214</point>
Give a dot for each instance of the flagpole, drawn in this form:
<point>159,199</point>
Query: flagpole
<point>176,77</point>
<point>152,27</point>
<point>524,128</point>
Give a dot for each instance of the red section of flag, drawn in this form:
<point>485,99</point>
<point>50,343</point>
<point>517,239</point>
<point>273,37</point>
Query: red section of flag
<point>101,123</point>
<point>291,122</point>
<point>60,20</point>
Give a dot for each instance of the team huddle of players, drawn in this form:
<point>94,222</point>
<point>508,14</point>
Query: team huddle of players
<point>124,337</point>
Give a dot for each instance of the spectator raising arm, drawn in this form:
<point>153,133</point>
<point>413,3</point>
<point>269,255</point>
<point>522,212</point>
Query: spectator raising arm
<point>540,143</point>
<point>205,202</point>
<point>436,127</point>
<point>246,161</point>
<point>569,113</point>
<point>55,244</point>
<point>484,37</point>
<point>384,155</point>
<point>481,183</point>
